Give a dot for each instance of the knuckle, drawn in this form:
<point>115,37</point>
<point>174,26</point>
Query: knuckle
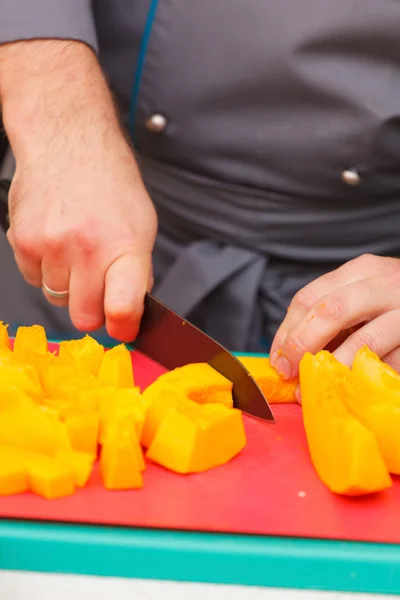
<point>84,238</point>
<point>294,345</point>
<point>331,308</point>
<point>367,261</point>
<point>304,299</point>
<point>393,275</point>
<point>366,338</point>
<point>54,242</point>
<point>24,242</point>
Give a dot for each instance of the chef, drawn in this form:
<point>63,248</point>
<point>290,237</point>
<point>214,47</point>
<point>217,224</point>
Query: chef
<point>235,157</point>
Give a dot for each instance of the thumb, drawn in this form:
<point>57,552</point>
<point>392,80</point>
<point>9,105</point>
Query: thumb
<point>127,280</point>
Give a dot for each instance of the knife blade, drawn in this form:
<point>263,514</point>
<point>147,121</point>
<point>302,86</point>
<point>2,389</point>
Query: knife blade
<point>173,342</point>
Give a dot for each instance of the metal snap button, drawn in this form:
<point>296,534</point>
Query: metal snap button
<point>351,177</point>
<point>156,123</point>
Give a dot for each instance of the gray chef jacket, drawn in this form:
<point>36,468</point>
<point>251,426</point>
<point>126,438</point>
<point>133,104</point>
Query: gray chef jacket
<point>268,135</point>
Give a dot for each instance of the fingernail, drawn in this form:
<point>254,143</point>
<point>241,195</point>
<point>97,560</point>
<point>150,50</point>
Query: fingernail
<point>283,367</point>
<point>273,359</point>
<point>297,394</point>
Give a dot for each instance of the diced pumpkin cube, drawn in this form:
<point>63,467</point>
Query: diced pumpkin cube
<point>24,425</point>
<point>344,452</point>
<point>121,403</point>
<point>275,389</point>
<point>38,361</point>
<point>80,464</point>
<point>116,368</point>
<point>6,356</point>
<point>62,381</point>
<point>13,471</point>
<point>32,338</point>
<point>201,383</point>
<point>198,438</point>
<point>121,459</point>
<point>90,400</point>
<point>16,377</point>
<point>198,381</point>
<point>85,353</point>
<point>50,478</point>
<point>62,408</point>
<point>83,430</point>
<point>4,338</point>
<point>164,401</point>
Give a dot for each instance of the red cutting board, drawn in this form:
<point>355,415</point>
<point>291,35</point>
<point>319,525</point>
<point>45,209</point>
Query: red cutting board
<point>271,488</point>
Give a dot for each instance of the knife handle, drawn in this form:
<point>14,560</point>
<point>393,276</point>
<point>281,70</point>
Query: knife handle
<point>4,215</point>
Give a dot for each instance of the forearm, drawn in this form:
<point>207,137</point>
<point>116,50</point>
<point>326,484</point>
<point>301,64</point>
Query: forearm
<point>48,85</point>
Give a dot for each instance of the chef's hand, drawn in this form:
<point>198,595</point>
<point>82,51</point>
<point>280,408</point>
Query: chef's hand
<point>80,217</point>
<point>353,306</point>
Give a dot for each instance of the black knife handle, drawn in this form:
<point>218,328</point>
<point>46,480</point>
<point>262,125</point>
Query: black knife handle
<point>4,216</point>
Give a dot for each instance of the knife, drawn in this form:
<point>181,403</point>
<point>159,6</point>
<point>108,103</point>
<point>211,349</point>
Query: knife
<point>173,342</point>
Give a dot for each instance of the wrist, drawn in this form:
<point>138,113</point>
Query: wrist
<point>48,90</point>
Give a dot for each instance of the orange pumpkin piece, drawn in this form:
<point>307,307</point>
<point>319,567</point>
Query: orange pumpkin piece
<point>59,408</point>
<point>80,464</point>
<point>50,478</point>
<point>121,458</point>
<point>65,382</point>
<point>275,389</point>
<point>23,424</point>
<point>198,381</point>
<point>31,338</point>
<point>344,452</point>
<point>4,338</point>
<point>16,377</point>
<point>163,402</point>
<point>376,403</point>
<point>13,471</point>
<point>121,404</point>
<point>197,438</point>
<point>116,368</point>
<point>83,431</point>
<point>6,356</point>
<point>36,360</point>
<point>375,378</point>
<point>85,353</point>
<point>90,400</point>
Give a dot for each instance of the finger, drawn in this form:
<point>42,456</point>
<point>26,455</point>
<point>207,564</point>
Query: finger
<point>393,359</point>
<point>342,337</point>
<point>381,335</point>
<point>351,272</point>
<point>305,299</point>
<point>86,297</point>
<point>55,275</point>
<point>29,267</point>
<point>127,280</point>
<point>339,310</point>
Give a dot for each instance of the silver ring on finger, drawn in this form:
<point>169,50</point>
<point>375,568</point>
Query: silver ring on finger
<point>55,294</point>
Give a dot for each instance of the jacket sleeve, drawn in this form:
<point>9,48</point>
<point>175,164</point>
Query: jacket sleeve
<point>57,19</point>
